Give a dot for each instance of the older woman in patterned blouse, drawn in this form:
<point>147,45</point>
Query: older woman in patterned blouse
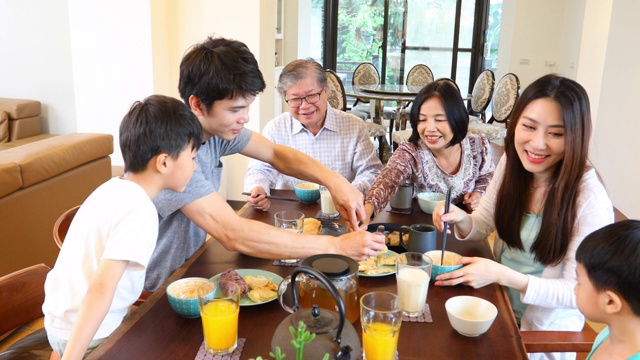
<point>439,154</point>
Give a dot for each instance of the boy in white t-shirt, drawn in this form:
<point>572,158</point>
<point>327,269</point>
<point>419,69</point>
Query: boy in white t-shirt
<point>608,288</point>
<point>101,268</point>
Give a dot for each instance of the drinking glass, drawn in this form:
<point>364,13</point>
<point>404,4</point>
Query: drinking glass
<point>380,317</point>
<point>326,202</point>
<point>413,272</point>
<point>291,221</point>
<point>219,308</point>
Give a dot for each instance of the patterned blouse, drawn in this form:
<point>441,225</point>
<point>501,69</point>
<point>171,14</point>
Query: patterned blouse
<point>416,165</point>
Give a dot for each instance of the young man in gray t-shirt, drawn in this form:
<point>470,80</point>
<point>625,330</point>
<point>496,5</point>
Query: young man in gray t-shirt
<point>219,79</point>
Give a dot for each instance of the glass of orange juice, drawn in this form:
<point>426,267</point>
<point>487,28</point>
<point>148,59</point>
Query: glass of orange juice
<point>219,308</point>
<point>380,317</point>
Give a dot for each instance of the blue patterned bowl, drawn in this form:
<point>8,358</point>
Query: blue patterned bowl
<point>307,192</point>
<point>450,259</point>
<point>183,296</point>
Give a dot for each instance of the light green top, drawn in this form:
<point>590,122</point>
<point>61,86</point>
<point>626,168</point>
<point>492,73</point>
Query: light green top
<point>602,335</point>
<point>523,261</point>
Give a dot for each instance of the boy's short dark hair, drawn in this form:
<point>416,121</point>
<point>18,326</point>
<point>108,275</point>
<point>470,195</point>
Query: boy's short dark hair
<point>218,69</point>
<point>158,124</point>
<point>611,257</point>
<point>449,94</point>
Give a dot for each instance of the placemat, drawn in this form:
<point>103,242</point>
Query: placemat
<point>425,317</point>
<point>400,211</point>
<point>322,216</point>
<point>287,263</point>
<point>203,354</point>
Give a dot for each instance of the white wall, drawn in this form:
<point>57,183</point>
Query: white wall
<point>35,59</point>
<point>111,60</point>
<point>616,146</point>
<point>589,42</point>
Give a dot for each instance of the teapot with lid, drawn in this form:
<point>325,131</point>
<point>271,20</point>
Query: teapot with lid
<point>341,271</point>
<point>334,335</point>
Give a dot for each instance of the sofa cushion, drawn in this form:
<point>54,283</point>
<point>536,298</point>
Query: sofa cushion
<point>10,178</point>
<point>4,127</point>
<point>47,158</point>
<point>20,108</point>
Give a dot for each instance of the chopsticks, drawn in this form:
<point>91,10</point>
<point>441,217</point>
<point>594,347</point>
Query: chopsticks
<point>444,229</point>
<point>273,197</point>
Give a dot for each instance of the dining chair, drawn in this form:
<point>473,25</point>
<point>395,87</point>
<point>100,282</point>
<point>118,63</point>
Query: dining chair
<point>364,74</point>
<point>504,98</point>
<point>420,75</point>
<point>338,100</point>
<point>61,226</point>
<point>579,342</point>
<point>481,94</point>
<point>21,299</point>
<point>60,229</point>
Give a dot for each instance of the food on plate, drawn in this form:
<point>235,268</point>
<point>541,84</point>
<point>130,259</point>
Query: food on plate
<point>311,226</point>
<point>262,288</point>
<point>371,265</point>
<point>260,282</point>
<point>367,264</point>
<point>393,239</point>
<point>262,295</point>
<point>232,276</point>
<point>386,259</point>
<point>378,271</point>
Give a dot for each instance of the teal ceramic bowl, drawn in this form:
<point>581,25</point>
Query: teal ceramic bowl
<point>307,192</point>
<point>450,258</point>
<point>183,296</point>
<point>428,200</point>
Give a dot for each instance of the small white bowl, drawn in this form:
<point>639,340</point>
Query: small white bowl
<point>469,315</point>
<point>428,200</point>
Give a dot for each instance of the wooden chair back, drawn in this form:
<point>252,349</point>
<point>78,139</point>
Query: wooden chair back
<point>559,341</point>
<point>337,97</point>
<point>61,226</point>
<point>22,296</point>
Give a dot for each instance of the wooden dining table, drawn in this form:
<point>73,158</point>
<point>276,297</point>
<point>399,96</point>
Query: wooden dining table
<point>155,331</point>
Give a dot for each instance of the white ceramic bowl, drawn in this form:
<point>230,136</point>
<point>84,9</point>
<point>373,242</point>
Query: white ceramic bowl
<point>450,259</point>
<point>428,200</point>
<point>470,315</point>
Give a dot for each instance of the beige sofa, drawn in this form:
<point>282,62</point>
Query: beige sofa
<point>41,176</point>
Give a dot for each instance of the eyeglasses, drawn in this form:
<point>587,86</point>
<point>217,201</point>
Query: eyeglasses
<point>310,99</point>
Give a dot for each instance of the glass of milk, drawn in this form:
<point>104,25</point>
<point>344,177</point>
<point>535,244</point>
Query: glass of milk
<point>413,272</point>
<point>326,202</point>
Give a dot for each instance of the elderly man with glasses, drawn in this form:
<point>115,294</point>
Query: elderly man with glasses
<point>338,140</point>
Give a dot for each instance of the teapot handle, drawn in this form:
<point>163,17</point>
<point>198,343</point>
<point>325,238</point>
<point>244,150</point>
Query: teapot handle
<point>327,284</point>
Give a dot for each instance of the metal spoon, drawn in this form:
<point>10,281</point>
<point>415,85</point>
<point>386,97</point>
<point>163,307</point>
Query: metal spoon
<point>444,229</point>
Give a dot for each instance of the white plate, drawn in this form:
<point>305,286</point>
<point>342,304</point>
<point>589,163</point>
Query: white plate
<point>392,267</point>
<point>245,301</point>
